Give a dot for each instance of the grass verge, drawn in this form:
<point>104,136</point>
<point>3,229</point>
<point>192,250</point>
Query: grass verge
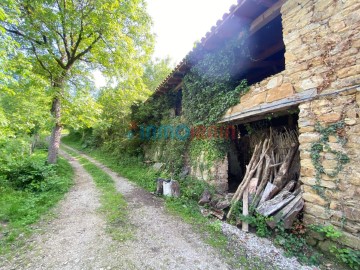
<point>19,209</point>
<point>113,205</point>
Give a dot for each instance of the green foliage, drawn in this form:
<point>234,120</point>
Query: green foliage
<point>328,231</point>
<point>323,146</point>
<point>209,88</point>
<point>31,174</point>
<point>205,152</point>
<point>347,256</point>
<point>20,208</point>
<point>155,72</point>
<point>259,222</point>
<point>295,245</point>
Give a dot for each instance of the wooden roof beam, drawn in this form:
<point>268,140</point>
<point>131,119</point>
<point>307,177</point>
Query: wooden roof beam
<point>266,17</point>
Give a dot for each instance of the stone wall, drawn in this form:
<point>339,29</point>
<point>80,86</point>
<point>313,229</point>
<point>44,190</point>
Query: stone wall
<point>322,41</point>
<point>322,45</point>
<point>216,175</point>
<point>332,199</point>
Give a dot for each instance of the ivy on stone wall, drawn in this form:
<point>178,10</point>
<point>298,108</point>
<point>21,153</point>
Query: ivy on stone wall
<point>322,145</point>
<point>210,87</point>
<point>204,153</point>
<point>209,90</point>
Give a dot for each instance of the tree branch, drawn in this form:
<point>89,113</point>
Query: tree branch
<point>18,33</point>
<point>40,62</point>
<point>88,49</point>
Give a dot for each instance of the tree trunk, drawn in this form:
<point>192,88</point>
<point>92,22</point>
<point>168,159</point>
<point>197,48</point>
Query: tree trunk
<point>54,143</point>
<point>55,138</point>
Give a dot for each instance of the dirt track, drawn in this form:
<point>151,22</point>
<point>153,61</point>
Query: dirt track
<point>76,238</point>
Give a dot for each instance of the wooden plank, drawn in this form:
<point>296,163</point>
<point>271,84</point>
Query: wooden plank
<point>252,187</point>
<point>290,217</point>
<point>245,225</point>
<point>266,17</point>
<point>279,201</point>
<point>273,106</point>
<point>285,211</point>
<point>270,190</point>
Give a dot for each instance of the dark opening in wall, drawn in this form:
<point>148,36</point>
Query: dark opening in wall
<point>264,53</point>
<point>250,134</point>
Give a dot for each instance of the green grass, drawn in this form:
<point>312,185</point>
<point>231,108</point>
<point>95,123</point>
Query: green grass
<point>186,206</point>
<point>19,209</point>
<point>113,205</point>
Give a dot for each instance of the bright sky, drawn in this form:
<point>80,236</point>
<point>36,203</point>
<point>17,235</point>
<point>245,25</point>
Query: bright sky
<point>178,24</point>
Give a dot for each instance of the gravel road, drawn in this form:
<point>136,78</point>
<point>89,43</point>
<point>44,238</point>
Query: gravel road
<point>77,238</point>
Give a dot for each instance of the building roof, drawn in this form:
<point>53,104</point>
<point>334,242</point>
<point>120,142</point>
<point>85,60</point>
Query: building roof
<point>252,13</point>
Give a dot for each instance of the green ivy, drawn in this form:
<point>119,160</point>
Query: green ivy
<point>348,256</point>
<point>211,150</point>
<point>322,145</point>
<point>209,87</point>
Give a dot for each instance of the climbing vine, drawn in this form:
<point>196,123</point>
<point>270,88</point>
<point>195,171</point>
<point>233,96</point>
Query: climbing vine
<point>210,87</point>
<point>322,145</point>
<point>204,153</point>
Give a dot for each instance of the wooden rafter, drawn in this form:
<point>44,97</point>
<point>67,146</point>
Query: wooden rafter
<point>266,17</point>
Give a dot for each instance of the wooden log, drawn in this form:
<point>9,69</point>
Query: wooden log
<point>284,212</point>
<point>290,186</point>
<point>255,161</point>
<point>245,225</point>
<point>281,176</point>
<point>217,213</point>
<point>290,217</point>
<point>269,192</point>
<point>248,168</point>
<point>269,207</point>
<point>252,189</point>
<point>264,179</point>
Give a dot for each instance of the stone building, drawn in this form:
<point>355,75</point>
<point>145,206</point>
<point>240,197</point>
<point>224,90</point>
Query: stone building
<point>304,55</point>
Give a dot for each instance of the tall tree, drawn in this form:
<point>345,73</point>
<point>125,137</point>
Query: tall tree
<point>66,37</point>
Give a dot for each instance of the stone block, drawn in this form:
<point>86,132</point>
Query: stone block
<point>352,213</point>
<point>307,172</point>
<point>307,129</point>
<point>317,211</point>
<point>350,122</point>
<point>330,117</point>
<point>309,137</point>
<point>354,178</point>
<point>349,240</point>
<point>311,181</point>
<point>313,82</point>
<point>249,101</point>
<point>309,219</point>
<point>314,198</point>
<point>280,92</point>
<point>306,122</point>
<point>334,205</point>
<point>348,71</point>
<point>275,82</point>
<point>337,26</point>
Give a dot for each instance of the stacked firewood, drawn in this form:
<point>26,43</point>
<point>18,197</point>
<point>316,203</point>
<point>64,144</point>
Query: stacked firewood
<point>269,185</point>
